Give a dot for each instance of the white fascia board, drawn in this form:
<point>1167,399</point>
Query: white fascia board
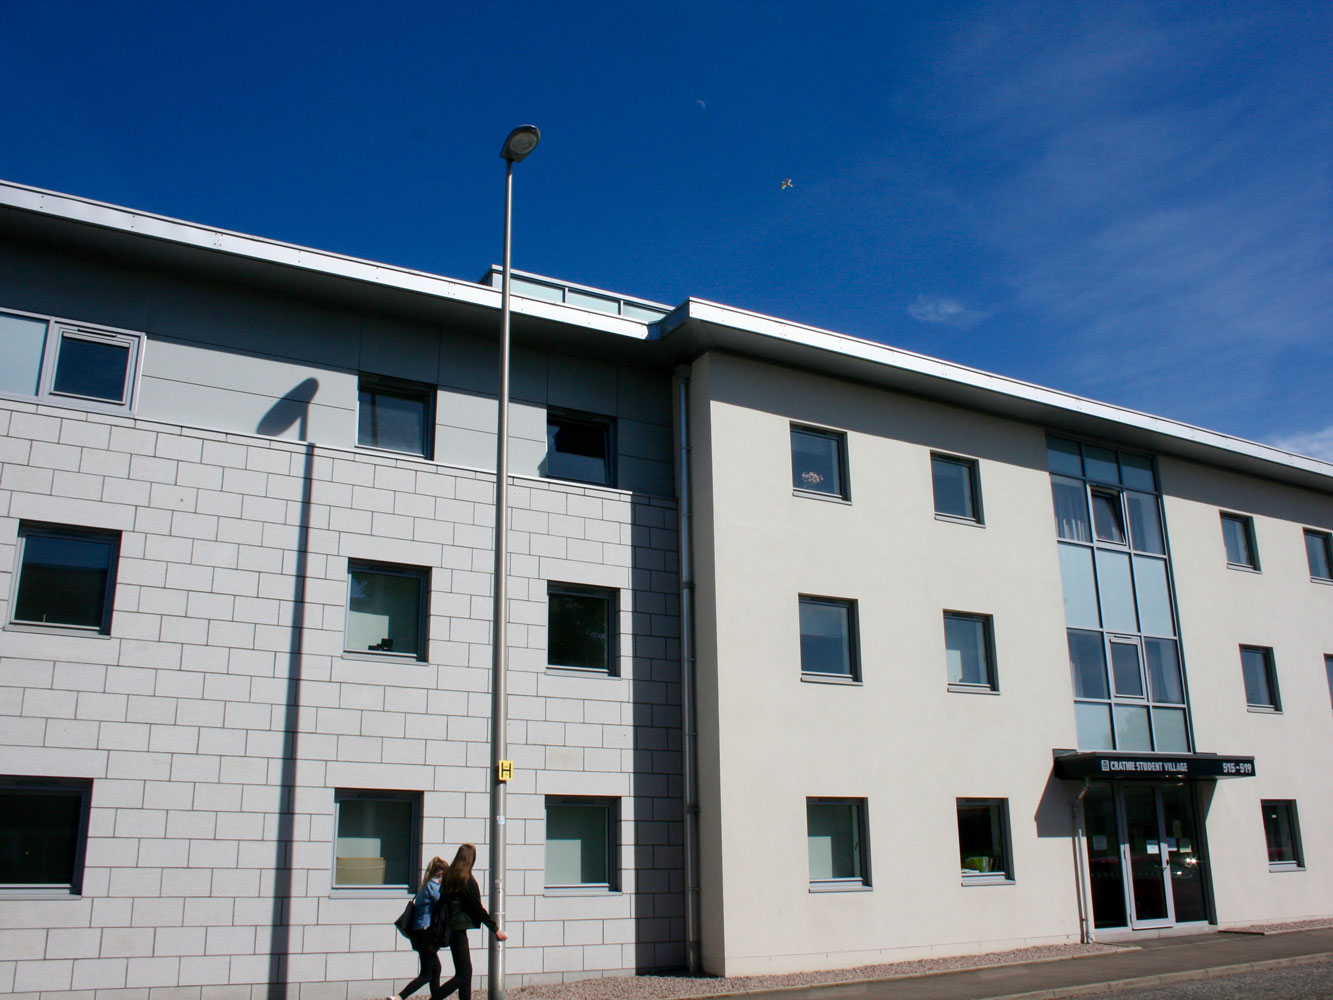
<point>1027,392</point>
<point>158,227</point>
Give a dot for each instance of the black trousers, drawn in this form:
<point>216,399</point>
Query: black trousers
<point>424,945</point>
<point>462,981</point>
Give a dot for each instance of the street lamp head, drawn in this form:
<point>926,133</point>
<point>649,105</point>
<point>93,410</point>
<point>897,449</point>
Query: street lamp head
<point>522,141</point>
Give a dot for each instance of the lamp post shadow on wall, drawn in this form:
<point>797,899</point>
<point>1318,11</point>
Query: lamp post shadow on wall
<point>521,141</point>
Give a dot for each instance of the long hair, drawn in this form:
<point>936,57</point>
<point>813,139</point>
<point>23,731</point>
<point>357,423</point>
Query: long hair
<point>437,867</point>
<point>458,874</point>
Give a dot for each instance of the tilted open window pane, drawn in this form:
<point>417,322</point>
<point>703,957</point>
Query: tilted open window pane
<point>42,830</point>
<point>66,577</point>
<point>983,839</point>
<point>835,845</point>
<point>579,842</point>
<point>1107,519</point>
<point>578,448</point>
<point>375,838</point>
<point>817,462</point>
<point>827,639</point>
<point>385,609</point>
<point>580,628</point>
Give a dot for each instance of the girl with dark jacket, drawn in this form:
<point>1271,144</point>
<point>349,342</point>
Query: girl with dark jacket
<point>460,891</point>
<point>425,941</point>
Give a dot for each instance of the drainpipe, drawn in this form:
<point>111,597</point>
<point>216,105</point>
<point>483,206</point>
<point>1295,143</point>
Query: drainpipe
<point>689,734</point>
<point>1085,931</point>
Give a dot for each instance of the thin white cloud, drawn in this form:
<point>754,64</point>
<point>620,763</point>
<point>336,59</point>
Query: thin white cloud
<point>1313,444</point>
<point>944,310</point>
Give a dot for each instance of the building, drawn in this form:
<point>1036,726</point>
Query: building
<point>822,653</point>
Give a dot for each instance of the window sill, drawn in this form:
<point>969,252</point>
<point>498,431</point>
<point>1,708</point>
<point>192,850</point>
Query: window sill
<point>1286,868</point>
<point>579,482</point>
<point>827,497</point>
<point>1263,710</point>
<point>35,892</point>
<point>959,519</point>
<point>841,885</point>
<point>393,452</point>
<point>579,890</point>
<point>556,668</point>
<point>56,629</point>
<point>385,657</point>
<point>371,891</point>
<point>970,880</point>
<point>812,678</point>
<point>1242,568</point>
<point>1326,581</point>
<point>973,689</point>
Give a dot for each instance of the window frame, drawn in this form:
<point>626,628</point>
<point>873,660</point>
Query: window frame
<point>1246,524</point>
<point>987,622</point>
<point>839,438</point>
<point>1274,706</point>
<point>1328,669</point>
<point>81,787</point>
<point>607,425</point>
<point>853,676</point>
<point>1006,875</point>
<point>612,596</point>
<point>973,468</point>
<point>865,880</point>
<point>1325,540</point>
<point>68,532</point>
<point>414,798</point>
<point>611,806</point>
<point>1297,862</point>
<point>422,574</point>
<point>402,389</point>
<point>57,329</point>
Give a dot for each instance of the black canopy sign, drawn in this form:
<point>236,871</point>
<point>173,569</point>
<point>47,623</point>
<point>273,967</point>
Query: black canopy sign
<point>1147,767</point>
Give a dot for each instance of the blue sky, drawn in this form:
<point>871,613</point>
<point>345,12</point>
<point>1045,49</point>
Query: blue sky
<point>1133,202</point>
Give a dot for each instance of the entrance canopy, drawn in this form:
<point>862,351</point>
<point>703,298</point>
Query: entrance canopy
<point>1103,766</point>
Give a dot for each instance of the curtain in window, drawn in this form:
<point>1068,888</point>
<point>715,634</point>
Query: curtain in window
<point>1071,511</point>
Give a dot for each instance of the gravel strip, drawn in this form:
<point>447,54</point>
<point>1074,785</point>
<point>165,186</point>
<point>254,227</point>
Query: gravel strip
<point>680,986</point>
<point>1282,928</point>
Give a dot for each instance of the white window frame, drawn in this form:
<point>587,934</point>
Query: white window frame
<point>57,329</point>
<point>80,787</point>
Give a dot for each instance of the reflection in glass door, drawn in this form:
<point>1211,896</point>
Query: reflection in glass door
<point>1186,862</point>
<point>1142,853</point>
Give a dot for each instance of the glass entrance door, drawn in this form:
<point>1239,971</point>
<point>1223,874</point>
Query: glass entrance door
<point>1143,853</point>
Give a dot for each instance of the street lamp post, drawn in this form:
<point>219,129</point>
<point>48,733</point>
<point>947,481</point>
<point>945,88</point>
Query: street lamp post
<point>522,141</point>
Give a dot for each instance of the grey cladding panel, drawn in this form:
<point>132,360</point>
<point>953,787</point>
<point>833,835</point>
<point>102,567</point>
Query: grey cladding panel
<point>400,350</point>
<point>581,384</point>
<point>34,280</point>
<point>247,413</point>
<point>645,395</point>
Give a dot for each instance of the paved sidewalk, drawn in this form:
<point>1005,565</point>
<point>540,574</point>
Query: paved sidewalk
<point>1153,962</point>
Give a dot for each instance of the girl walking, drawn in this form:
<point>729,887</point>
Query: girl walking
<point>460,889</point>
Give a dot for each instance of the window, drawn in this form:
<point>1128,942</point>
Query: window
<point>836,835</point>
<point>1319,553</point>
<point>983,841</point>
<point>395,416</point>
<point>819,462</point>
<point>580,627</point>
<point>1328,669</point>
<point>68,363</point>
<point>1260,678</point>
<point>43,829</point>
<point>1283,834</point>
<point>579,448</point>
<point>376,836</point>
<point>67,577</point>
<point>828,638</point>
<point>957,487</point>
<point>386,609</point>
<point>1238,536</point>
<point>581,842</point>
<point>969,648</point>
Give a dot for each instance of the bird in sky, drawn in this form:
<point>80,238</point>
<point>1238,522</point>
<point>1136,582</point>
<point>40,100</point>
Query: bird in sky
<point>785,184</point>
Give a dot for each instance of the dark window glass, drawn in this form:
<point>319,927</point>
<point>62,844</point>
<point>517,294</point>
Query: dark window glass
<point>1260,682</point>
<point>982,840</point>
<point>375,838</point>
<point>94,369</point>
<point>1063,457</point>
<point>955,482</point>
<point>1136,472</point>
<point>1087,661</point>
<point>578,449</point>
<point>385,609</point>
<point>1100,464</point>
<point>827,639</point>
<point>1237,535</point>
<point>1328,669</point>
<point>66,578</point>
<point>1164,671</point>
<point>1318,554</point>
<point>1145,525</point>
<point>394,418</point>
<point>1282,833</point>
<point>579,629</point>
<point>1126,669</point>
<point>41,832</point>
<point>817,462</point>
<point>967,647</point>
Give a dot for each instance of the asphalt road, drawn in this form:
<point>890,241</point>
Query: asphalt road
<point>1296,982</point>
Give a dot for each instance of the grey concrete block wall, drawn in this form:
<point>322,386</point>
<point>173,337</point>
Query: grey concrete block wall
<point>178,717</point>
